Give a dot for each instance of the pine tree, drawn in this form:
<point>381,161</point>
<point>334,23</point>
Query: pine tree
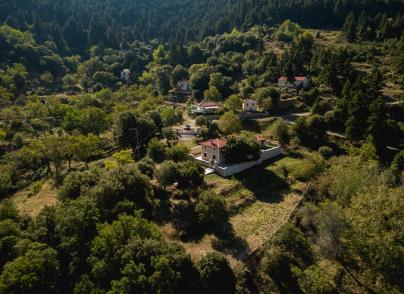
<point>349,28</point>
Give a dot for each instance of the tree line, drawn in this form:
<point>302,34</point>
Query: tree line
<point>76,25</point>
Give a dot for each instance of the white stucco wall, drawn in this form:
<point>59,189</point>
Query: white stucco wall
<point>249,105</point>
<point>283,83</point>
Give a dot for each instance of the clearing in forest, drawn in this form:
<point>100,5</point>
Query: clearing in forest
<point>33,199</point>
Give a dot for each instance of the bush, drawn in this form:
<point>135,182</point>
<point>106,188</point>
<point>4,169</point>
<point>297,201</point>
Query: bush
<point>146,167</point>
<point>241,148</point>
<point>211,209</point>
<point>310,131</point>
<point>314,280</point>
<point>201,121</point>
<point>177,153</point>
<point>280,130</point>
<point>5,182</point>
<point>230,123</point>
<point>74,183</point>
<point>276,264</point>
<point>190,174</point>
<point>156,150</point>
<point>325,152</point>
<point>8,210</point>
<point>292,241</point>
<point>36,187</point>
<point>167,173</point>
<point>216,274</point>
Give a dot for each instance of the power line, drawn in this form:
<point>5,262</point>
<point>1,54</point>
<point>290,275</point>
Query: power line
<point>127,139</point>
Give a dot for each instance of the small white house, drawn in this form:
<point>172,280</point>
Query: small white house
<point>249,105</point>
<point>212,150</point>
<point>301,81</point>
<point>125,74</point>
<point>183,85</point>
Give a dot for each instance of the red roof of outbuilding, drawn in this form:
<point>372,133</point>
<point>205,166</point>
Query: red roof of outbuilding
<point>209,105</point>
<point>219,143</point>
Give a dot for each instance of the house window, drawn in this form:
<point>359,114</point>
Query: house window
<point>204,155</point>
<point>214,157</point>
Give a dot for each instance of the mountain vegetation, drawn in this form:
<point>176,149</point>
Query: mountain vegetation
<point>120,203</point>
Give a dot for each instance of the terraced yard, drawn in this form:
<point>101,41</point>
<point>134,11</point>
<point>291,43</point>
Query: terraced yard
<point>259,201</point>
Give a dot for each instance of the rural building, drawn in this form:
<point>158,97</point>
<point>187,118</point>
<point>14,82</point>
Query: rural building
<point>249,105</point>
<point>283,82</point>
<point>183,85</point>
<point>125,74</point>
<point>212,156</point>
<point>212,150</point>
<point>207,107</point>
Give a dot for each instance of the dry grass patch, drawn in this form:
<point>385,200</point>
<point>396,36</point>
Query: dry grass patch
<point>32,200</point>
<point>198,249</point>
<point>259,221</point>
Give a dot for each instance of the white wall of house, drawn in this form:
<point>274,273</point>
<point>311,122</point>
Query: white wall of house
<point>304,83</point>
<point>211,153</point>
<point>125,74</point>
<point>183,85</point>
<point>283,83</point>
<point>249,105</point>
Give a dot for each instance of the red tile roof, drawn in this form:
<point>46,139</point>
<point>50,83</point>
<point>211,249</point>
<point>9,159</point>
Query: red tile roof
<point>219,143</point>
<point>260,138</point>
<point>210,105</point>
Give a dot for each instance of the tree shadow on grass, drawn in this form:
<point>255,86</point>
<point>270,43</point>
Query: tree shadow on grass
<point>251,125</point>
<point>295,155</point>
<point>264,184</point>
<point>227,242</point>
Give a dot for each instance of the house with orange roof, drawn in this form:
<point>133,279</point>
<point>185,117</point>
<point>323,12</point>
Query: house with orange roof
<point>212,150</point>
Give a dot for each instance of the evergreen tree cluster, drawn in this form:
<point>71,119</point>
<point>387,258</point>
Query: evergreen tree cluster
<point>74,25</point>
<point>367,28</point>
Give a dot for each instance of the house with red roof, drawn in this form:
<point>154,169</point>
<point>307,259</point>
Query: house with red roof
<point>300,81</point>
<point>208,107</point>
<point>212,150</point>
<point>212,156</point>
